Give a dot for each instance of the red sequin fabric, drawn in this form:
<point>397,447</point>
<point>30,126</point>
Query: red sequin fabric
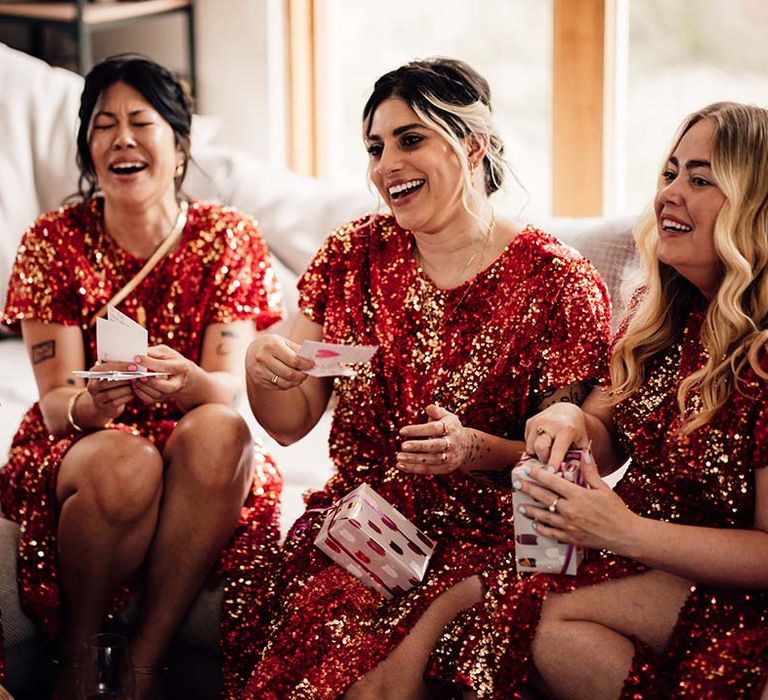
<point>703,479</point>
<point>67,268</point>
<point>734,666</point>
<point>534,320</point>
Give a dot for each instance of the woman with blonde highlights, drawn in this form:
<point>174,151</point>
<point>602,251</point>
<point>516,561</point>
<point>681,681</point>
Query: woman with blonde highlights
<point>680,556</point>
<point>479,322</point>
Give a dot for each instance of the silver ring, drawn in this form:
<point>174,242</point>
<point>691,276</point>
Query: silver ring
<point>275,377</point>
<point>444,457</point>
<point>553,507</point>
<point>447,444</point>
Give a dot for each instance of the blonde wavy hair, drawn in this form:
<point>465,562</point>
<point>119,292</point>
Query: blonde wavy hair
<point>735,329</point>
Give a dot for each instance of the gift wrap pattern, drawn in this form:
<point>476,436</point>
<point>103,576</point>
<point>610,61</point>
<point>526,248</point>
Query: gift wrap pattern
<point>367,536</point>
<point>533,551</point>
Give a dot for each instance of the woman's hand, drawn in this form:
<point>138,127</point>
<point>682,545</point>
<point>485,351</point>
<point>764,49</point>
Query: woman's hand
<point>161,358</point>
<point>592,517</point>
<point>272,362</point>
<point>551,433</point>
<point>109,398</point>
<point>437,447</point>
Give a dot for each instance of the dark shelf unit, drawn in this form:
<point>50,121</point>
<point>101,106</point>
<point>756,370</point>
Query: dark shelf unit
<point>82,18</point>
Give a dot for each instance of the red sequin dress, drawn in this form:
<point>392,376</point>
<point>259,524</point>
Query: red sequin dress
<point>705,479</point>
<point>67,268</point>
<point>735,666</point>
<point>536,319</point>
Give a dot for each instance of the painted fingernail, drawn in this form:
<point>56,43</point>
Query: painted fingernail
<point>535,525</point>
<point>526,470</point>
<point>132,368</point>
<point>550,469</point>
<point>587,457</point>
<point>521,509</point>
<point>137,358</point>
<point>517,485</point>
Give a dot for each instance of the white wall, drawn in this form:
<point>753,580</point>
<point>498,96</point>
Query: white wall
<point>240,66</point>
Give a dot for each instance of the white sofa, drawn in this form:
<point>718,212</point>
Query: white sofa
<point>38,107</point>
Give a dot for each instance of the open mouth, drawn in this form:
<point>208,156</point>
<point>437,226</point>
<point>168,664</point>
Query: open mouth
<point>675,226</point>
<point>127,168</point>
<point>405,188</point>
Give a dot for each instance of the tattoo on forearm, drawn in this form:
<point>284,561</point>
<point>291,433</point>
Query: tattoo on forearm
<point>497,478</point>
<point>573,393</point>
<point>228,334</point>
<point>43,351</point>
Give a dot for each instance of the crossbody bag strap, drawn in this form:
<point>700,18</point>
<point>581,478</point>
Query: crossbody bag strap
<point>160,252</point>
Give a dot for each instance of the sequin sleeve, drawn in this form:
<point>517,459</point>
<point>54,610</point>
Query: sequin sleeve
<point>330,268</point>
<point>43,286</point>
<point>760,434</point>
<point>579,341</point>
<point>245,282</point>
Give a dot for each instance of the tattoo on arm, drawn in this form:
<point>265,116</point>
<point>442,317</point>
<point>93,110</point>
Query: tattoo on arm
<point>229,334</point>
<point>497,479</point>
<point>477,450</point>
<point>43,351</point>
<point>574,393</point>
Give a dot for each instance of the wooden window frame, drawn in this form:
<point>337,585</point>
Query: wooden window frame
<point>583,79</point>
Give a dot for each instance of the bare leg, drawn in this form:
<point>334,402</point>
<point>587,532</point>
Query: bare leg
<point>108,488</point>
<point>401,675</point>
<point>209,458</point>
<point>582,647</point>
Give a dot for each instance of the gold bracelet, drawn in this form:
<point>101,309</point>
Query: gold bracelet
<point>71,409</point>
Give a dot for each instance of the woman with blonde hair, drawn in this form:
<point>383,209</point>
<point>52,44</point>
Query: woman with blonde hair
<point>681,545</point>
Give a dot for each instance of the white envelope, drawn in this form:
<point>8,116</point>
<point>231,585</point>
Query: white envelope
<point>121,339</point>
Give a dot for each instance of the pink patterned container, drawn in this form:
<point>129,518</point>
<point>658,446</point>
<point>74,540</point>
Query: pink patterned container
<point>368,537</point>
<point>535,552</point>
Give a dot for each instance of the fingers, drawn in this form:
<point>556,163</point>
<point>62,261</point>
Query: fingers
<point>590,472</point>
<point>272,363</point>
<point>426,462</point>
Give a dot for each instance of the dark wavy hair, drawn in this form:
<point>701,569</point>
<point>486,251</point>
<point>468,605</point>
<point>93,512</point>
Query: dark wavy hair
<point>451,97</point>
<point>158,87</point>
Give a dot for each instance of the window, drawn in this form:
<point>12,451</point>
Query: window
<point>682,56</point>
<point>509,42</point>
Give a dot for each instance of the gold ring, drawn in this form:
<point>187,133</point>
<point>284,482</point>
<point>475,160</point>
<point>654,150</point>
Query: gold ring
<point>553,508</point>
<point>445,457</point>
<point>275,377</point>
<point>447,444</point>
<point>445,429</point>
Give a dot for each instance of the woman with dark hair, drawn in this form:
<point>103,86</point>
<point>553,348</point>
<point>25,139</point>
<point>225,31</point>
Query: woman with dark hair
<point>122,487</point>
<point>681,562</point>
<point>479,322</point>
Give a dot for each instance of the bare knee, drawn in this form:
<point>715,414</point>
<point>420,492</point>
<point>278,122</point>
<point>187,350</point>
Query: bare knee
<point>214,447</point>
<point>119,473</point>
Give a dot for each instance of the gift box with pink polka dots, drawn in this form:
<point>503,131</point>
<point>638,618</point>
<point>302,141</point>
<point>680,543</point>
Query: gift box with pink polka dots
<point>373,541</point>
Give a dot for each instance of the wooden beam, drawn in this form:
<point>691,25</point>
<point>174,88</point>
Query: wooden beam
<point>302,86</point>
<point>577,110</point>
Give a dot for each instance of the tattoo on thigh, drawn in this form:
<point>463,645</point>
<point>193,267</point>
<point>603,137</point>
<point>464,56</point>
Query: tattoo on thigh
<point>43,351</point>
